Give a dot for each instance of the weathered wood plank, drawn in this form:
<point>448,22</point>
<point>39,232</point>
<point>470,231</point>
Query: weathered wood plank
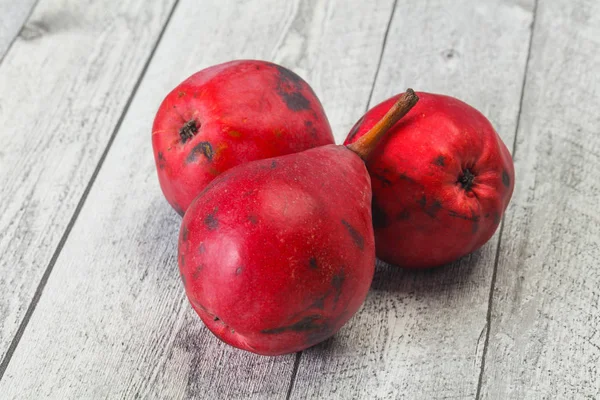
<point>113,320</point>
<point>62,92</point>
<point>545,337</point>
<point>420,334</point>
<point>13,15</point>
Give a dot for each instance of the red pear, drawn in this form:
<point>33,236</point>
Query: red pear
<point>277,254</point>
<point>230,114</point>
<point>442,178</point>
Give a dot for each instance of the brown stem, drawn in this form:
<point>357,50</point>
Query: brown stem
<point>365,145</point>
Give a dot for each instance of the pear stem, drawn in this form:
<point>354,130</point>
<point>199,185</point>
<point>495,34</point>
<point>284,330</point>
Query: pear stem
<point>365,145</point>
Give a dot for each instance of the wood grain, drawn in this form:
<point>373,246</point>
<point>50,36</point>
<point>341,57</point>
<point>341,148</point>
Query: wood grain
<point>420,335</point>
<point>13,15</point>
<point>113,320</point>
<point>62,92</point>
<point>545,336</point>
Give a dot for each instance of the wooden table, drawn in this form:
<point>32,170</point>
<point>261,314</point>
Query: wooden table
<point>91,305</point>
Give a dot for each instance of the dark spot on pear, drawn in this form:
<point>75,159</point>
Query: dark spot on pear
<point>433,208</point>
<point>238,270</point>
<point>201,248</point>
<point>253,219</point>
<point>355,128</point>
<point>289,75</point>
<point>319,302</point>
<point>197,271</point>
<point>216,318</point>
<point>313,263</point>
<point>473,218</point>
<point>385,182</point>
<point>454,214</point>
<point>211,221</point>
<point>422,201</point>
<point>380,219</point>
<point>161,160</point>
<point>204,148</point>
<point>386,176</point>
<point>403,215</point>
<point>289,88</point>
<point>296,79</point>
<point>505,178</point>
<point>406,178</point>
<point>355,235</point>
<point>295,101</point>
<point>183,280</point>
<point>337,281</point>
<point>307,323</point>
<point>188,130</point>
<point>440,161</point>
<point>312,131</point>
<point>273,164</point>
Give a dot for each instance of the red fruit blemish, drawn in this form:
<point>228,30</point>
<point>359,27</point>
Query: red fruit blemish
<point>188,130</point>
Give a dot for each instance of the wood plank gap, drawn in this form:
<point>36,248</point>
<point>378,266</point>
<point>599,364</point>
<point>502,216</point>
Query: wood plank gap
<point>385,37</point>
<point>14,39</point>
<point>38,293</point>
<point>294,373</point>
<point>497,258</point>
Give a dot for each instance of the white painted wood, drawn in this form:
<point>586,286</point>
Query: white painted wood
<point>545,327</point>
<point>113,320</point>
<point>61,95</point>
<point>420,335</point>
<point>13,14</point>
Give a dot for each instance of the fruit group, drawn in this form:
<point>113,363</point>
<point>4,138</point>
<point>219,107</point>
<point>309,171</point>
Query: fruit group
<point>441,179</point>
<point>277,254</point>
<point>230,114</point>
